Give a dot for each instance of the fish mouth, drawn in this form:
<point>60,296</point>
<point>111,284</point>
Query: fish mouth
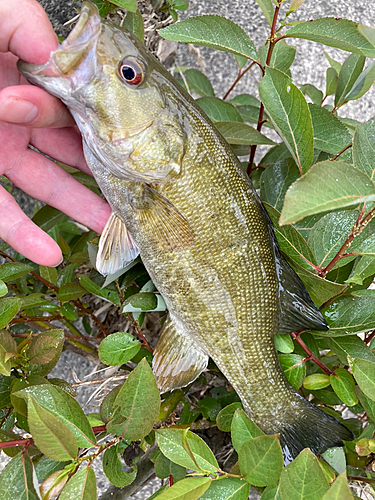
<point>77,47</point>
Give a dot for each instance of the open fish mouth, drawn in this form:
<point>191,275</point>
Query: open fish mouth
<point>68,57</point>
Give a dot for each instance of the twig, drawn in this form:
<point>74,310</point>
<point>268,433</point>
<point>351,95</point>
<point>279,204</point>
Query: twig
<point>139,331</point>
<point>99,381</point>
<point>310,354</point>
<point>239,76</point>
<point>273,41</point>
<point>370,337</point>
<point>341,152</point>
<point>16,442</point>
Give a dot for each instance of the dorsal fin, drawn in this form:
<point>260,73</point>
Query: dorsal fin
<point>297,311</point>
<point>116,247</point>
<point>177,360</point>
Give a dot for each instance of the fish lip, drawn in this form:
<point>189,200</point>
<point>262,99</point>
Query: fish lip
<point>79,39</point>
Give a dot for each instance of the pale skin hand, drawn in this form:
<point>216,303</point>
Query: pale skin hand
<point>30,115</point>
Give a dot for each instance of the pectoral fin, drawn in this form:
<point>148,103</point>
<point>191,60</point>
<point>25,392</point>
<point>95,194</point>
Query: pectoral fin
<point>177,362</point>
<point>164,222</point>
<point>116,247</point>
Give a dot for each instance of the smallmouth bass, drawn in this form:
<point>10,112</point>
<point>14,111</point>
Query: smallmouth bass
<point>181,200</point>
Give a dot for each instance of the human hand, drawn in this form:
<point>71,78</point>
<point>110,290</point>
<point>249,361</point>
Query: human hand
<point>28,115</point>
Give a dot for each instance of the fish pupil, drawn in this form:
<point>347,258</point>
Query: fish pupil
<point>128,73</point>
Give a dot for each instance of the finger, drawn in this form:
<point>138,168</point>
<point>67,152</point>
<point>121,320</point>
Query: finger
<point>32,106</point>
<point>24,236</point>
<point>63,144</point>
<point>26,31</point>
<point>43,179</point>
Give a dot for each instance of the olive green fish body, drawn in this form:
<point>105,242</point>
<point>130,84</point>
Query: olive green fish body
<point>181,199</point>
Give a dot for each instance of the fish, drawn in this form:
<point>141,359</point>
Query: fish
<point>181,200</point>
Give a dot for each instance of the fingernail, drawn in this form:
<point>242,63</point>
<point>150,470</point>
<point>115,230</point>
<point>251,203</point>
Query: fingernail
<point>15,110</point>
<point>60,261</point>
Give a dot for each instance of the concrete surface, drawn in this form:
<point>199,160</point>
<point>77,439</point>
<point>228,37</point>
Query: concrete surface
<point>310,67</point>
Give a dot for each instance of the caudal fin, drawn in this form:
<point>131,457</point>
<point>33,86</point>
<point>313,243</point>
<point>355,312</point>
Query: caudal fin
<point>313,429</point>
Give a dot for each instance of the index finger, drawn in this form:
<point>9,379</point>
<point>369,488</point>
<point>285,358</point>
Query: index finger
<point>25,31</point>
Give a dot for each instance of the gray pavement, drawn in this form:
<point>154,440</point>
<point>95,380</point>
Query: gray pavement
<point>310,67</point>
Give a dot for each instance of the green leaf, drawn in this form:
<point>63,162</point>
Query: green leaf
<point>320,289</point>
<point>316,381</point>
<point>225,417</point>
<point>82,486</point>
<point>70,291</point>
<point>34,300</point>
<point>303,479</point>
<point>364,148</point>
<point>314,93</point>
<point>144,301</point>
<point>239,133</point>
<point>331,81</point>
<point>9,307</point>
<point>43,350</point>
<point>350,71</point>
<point>112,468</point>
<point>362,270</point>
<point>180,4</point>
<point>339,490</point>
<point>190,488</point>
<point>5,391</point>
<point>199,83</point>
<point>3,288</point>
<point>65,408</point>
<point>362,84</point>
<point>335,458</point>
<point>330,135</point>
<point>10,271</point>
<point>340,33</point>
<point>275,181</point>
<point>66,275</point>
<point>118,348</point>
<point>243,429</point>
<point>290,241</point>
<point>47,217</point>
<point>350,345</point>
<point>329,233</point>
<point>283,343</point>
<point>344,386</point>
<point>104,293</point>
<point>50,435</point>
<point>45,368</point>
<point>134,23</point>
<point>290,115</point>
<point>282,57</point>
<point>126,4</point>
<point>48,273</point>
<point>229,488</point>
<point>261,460</point>
<point>18,480</point>
<point>210,408</point>
<point>172,444</point>
<point>138,403</point>
<point>334,184</point>
<point>106,408</point>
<point>349,314</point>
<point>335,64</point>
<point>267,9</point>
<point>271,493</point>
<point>294,368</point>
<point>364,374</point>
<point>218,110</point>
<point>212,31</point>
<point>69,312</point>
<point>367,403</point>
<point>165,468</point>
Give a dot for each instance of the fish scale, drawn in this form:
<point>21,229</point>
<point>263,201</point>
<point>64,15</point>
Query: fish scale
<point>181,199</point>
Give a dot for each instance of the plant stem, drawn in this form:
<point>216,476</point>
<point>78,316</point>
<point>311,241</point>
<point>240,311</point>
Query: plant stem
<point>273,41</point>
<point>139,331</point>
<point>341,152</point>
<point>16,442</point>
<point>310,354</point>
<point>240,75</point>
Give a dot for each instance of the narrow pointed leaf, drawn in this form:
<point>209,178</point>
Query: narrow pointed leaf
<point>171,444</point>
<point>18,480</point>
<point>367,403</point>
<point>350,71</point>
<point>290,115</point>
<point>134,23</point>
<point>212,31</point>
<point>267,9</point>
<point>364,148</point>
<point>275,181</point>
<point>330,135</point>
<point>70,291</point>
<point>340,33</point>
<point>243,429</point>
<point>261,460</point>
<point>240,133</point>
<point>81,486</point>
<point>303,479</point>
<point>331,81</point>
<point>362,84</point>
<point>11,271</point>
<point>335,184</point>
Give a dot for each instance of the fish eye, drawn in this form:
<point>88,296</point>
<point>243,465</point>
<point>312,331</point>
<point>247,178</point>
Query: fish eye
<point>131,72</point>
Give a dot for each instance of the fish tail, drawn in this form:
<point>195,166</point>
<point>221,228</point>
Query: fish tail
<point>311,428</point>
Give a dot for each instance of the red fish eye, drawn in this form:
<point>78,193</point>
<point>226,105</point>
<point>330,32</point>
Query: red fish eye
<point>131,73</point>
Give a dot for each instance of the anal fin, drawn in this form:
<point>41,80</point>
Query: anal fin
<point>116,247</point>
<point>177,362</point>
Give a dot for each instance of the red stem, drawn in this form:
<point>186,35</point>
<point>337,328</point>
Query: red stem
<point>239,76</point>
<point>310,354</point>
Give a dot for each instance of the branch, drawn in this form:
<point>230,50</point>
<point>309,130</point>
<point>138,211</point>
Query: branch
<point>341,152</point>
<point>310,354</point>
<point>240,75</point>
<point>139,331</point>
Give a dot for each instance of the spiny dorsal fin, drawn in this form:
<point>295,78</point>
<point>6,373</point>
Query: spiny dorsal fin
<point>177,362</point>
<point>116,247</point>
<point>165,223</point>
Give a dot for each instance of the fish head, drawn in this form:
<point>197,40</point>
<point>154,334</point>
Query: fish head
<point>112,85</point>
